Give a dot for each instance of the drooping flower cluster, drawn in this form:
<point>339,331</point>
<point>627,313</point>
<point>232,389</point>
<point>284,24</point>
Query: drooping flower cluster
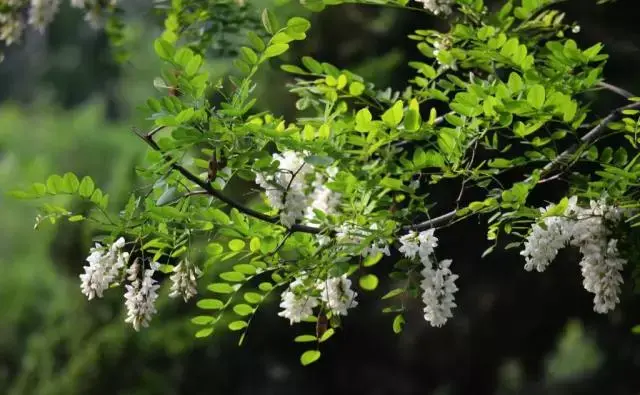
<point>105,265</point>
<point>437,7</point>
<point>544,242</point>
<point>298,302</point>
<point>438,283</point>
<point>184,281</point>
<point>287,190</point>
<point>586,228</point>
<point>141,295</point>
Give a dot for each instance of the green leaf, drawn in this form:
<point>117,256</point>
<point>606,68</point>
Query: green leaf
<point>86,187</point>
<point>254,244</point>
<point>219,216</point>
<point>620,157</point>
<point>210,304</point>
<point>237,325</point>
<point>398,323</point>
<point>221,288</point>
<point>392,183</point>
<point>298,24</point>
<point>269,21</point>
<point>368,282</point>
<point>163,49</point>
<point>265,287</point>
<point>393,116</point>
<point>245,268</point>
<point>235,277</point>
<point>356,88</point>
<point>312,65</point>
<point>318,160</point>
<point>214,249</point>
<point>515,83</point>
<point>309,357</point>
<point>253,297</point>
<point>636,330</point>
<point>55,184</point>
<point>256,41</point>
<point>204,332</point>
<point>202,320</point>
<point>71,182</point>
<point>305,339</point>
<point>167,197</point>
<point>393,293</point>
<point>372,259</point>
<point>274,50</point>
<point>327,335</point>
<point>236,245</point>
<point>243,310</point>
<point>194,65</point>
<point>363,120</point>
<point>536,96</point>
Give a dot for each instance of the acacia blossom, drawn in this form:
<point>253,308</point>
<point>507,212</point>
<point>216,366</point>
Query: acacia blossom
<point>437,7</point>
<point>409,245</point>
<point>438,286</point>
<point>104,267</point>
<point>42,13</point>
<point>184,280</point>
<point>586,228</point>
<point>141,296</point>
<point>285,190</point>
<point>337,294</point>
<point>544,242</point>
<point>296,305</point>
<point>11,28</point>
<point>438,282</point>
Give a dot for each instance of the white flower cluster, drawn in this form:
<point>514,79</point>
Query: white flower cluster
<point>286,190</point>
<point>141,295</point>
<point>586,228</point>
<point>104,267</point>
<point>437,7</point>
<point>438,283</point>
<point>11,28</point>
<point>184,281</point>
<point>40,14</point>
<point>335,293</point>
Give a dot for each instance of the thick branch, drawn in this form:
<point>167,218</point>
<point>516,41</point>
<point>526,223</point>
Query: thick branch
<point>210,190</point>
<point>558,162</point>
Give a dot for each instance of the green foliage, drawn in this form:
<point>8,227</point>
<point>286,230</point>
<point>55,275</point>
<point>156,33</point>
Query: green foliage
<point>499,93</point>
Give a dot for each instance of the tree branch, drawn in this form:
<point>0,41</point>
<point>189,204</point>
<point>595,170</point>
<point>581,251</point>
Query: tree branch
<point>210,190</point>
<point>551,166</point>
<point>616,89</point>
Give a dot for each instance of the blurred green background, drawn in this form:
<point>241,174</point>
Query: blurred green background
<point>66,106</point>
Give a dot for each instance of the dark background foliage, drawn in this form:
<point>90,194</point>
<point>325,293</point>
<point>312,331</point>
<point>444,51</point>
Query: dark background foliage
<point>68,105</point>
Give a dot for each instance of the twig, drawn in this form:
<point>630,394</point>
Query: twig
<point>616,89</point>
<point>217,194</point>
<point>551,166</point>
